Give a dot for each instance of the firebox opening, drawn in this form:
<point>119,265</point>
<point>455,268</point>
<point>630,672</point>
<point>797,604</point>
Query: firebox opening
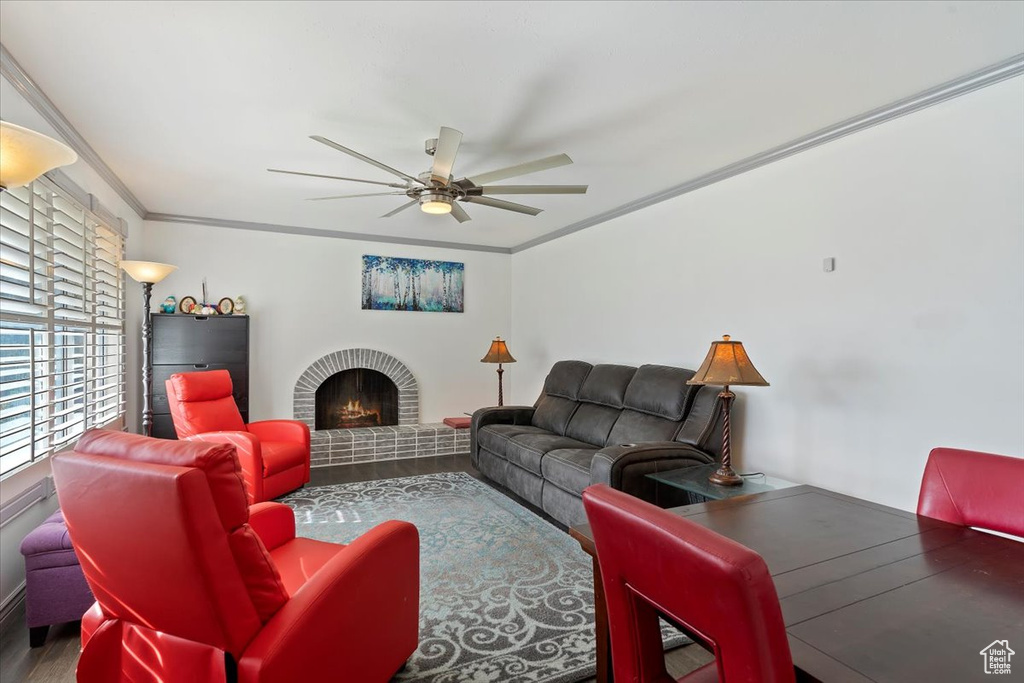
<point>356,398</point>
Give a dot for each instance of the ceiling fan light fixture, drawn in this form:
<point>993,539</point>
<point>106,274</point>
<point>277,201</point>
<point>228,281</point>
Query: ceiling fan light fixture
<point>25,155</point>
<point>437,204</point>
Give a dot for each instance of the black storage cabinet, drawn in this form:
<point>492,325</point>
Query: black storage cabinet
<point>193,343</point>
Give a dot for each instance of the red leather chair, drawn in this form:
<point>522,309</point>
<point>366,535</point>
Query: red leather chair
<point>968,488</point>
<point>192,584</point>
<point>718,590</point>
<point>274,453</point>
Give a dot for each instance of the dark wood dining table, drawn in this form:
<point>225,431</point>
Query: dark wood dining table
<point>868,592</point>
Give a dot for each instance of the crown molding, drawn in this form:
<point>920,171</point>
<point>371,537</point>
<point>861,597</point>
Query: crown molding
<point>982,78</point>
<point>960,86</point>
<point>35,96</point>
<point>317,232</point>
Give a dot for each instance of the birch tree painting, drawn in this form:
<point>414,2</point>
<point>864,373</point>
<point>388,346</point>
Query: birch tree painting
<point>402,284</point>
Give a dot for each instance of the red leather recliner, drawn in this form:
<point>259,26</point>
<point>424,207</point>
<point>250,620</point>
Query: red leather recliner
<point>718,590</point>
<point>968,488</point>
<point>192,584</point>
<point>274,453</point>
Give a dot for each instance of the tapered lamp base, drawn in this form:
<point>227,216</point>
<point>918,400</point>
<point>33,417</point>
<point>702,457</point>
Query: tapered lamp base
<point>726,476</point>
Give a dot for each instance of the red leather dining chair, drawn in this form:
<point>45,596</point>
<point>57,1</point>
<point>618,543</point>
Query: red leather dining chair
<point>716,589</point>
<point>974,489</point>
<point>274,453</point>
<point>192,584</point>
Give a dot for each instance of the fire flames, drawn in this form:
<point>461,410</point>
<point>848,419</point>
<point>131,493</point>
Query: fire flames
<point>353,414</point>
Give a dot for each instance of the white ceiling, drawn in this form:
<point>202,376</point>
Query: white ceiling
<point>190,102</point>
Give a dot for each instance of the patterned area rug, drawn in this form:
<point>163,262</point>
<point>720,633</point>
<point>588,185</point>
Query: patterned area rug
<point>505,597</point>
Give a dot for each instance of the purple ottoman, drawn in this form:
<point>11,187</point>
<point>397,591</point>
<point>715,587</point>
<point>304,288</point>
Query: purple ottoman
<point>55,588</point>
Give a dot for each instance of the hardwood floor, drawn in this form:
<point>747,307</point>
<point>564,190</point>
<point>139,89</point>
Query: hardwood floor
<point>55,661</point>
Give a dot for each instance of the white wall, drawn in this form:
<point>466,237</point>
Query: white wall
<point>915,341</point>
<point>15,109</point>
<point>303,296</point>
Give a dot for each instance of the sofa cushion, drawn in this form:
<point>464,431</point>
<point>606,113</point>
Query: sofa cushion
<point>568,468</point>
<point>606,385</point>
<point>660,390</point>
<point>526,450</point>
<point>566,378</point>
<point>553,414</point>
<point>300,558</point>
<point>702,427</point>
<point>495,437</point>
<point>592,423</point>
<point>634,427</point>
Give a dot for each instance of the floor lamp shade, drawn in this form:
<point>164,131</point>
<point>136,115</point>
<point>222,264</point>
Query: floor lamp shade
<point>727,363</point>
<point>25,155</point>
<point>147,271</point>
<point>498,353</point>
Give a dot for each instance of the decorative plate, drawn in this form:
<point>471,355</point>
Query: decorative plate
<point>187,304</point>
<point>226,306</point>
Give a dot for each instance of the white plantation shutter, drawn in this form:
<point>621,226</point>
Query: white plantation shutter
<point>61,322</point>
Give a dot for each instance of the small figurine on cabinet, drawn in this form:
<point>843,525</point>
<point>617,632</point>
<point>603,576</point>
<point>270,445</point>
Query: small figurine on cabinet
<point>207,309</point>
<point>169,304</point>
<point>239,305</point>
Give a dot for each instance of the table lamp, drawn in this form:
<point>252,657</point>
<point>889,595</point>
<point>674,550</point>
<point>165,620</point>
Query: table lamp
<point>148,273</point>
<point>727,364</point>
<point>498,353</point>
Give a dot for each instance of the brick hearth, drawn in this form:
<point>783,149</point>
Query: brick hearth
<point>407,439</point>
<point>344,446</point>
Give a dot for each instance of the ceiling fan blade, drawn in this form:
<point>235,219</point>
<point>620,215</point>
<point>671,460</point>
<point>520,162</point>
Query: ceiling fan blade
<point>521,169</point>
<point>444,156</point>
<point>532,189</point>
<point>336,177</point>
<point>459,214</point>
<point>502,204</point>
<point>351,196</point>
<point>361,157</point>
<point>403,207</point>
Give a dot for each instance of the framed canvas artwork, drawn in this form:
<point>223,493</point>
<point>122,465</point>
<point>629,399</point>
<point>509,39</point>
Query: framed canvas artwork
<point>403,284</point>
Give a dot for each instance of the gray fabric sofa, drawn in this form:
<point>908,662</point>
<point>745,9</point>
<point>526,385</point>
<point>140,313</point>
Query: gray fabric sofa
<point>609,424</point>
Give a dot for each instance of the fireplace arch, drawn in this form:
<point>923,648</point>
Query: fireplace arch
<point>333,363</point>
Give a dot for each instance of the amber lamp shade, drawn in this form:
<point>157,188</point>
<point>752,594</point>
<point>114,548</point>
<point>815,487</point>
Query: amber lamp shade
<point>727,363</point>
<point>498,353</point>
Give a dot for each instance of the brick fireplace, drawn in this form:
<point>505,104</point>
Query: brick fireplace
<point>336,379</point>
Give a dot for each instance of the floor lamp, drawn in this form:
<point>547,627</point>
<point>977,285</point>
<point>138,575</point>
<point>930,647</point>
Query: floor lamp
<point>498,353</point>
<point>727,363</point>
<point>148,273</point>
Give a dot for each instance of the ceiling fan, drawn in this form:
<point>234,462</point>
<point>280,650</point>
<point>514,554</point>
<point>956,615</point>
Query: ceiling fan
<point>435,190</point>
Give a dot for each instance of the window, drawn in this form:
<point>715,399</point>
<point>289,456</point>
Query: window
<point>61,323</point>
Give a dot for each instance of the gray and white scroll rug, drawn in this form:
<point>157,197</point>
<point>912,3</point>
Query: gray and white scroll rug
<point>505,597</point>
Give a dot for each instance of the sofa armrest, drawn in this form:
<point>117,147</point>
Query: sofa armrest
<point>507,415</point>
<point>357,617</point>
<point>274,523</point>
<point>622,467</point>
<point>250,457</point>
<point>280,430</point>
